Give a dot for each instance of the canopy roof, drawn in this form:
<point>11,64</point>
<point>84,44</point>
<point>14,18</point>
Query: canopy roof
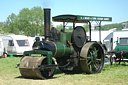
<point>79,18</point>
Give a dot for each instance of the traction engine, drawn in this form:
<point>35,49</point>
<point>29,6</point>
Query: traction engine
<point>74,52</point>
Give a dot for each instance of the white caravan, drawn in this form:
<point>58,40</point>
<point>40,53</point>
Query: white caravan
<point>1,48</point>
<point>111,40</point>
<point>15,44</point>
<point>95,35</point>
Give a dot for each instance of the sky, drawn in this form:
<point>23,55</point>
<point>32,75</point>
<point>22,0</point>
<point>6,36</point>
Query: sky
<point>117,9</point>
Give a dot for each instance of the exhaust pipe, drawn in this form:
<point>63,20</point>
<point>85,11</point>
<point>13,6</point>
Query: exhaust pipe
<point>47,23</point>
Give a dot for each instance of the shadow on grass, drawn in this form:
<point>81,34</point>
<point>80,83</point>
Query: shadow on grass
<point>56,72</point>
<point>21,77</point>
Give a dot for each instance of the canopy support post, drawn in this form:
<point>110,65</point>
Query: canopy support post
<point>89,30</point>
<point>63,26</point>
<point>100,31</point>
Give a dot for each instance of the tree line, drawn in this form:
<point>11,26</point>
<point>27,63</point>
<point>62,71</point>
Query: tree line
<point>30,22</point>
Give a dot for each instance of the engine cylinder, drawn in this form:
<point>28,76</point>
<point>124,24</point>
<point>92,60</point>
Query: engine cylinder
<point>62,50</point>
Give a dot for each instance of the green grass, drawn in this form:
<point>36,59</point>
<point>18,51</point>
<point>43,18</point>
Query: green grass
<point>7,65</point>
<point>110,75</point>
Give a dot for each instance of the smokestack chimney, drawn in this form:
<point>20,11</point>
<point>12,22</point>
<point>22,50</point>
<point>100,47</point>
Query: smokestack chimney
<point>47,23</point>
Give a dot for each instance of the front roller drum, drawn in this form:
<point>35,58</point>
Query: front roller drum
<point>92,58</point>
<point>30,68</point>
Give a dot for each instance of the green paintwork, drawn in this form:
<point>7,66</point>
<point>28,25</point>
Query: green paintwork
<point>121,48</point>
<point>60,50</point>
<point>63,50</point>
<point>61,47</point>
<point>79,18</point>
<point>94,18</point>
<point>64,37</point>
<point>47,53</point>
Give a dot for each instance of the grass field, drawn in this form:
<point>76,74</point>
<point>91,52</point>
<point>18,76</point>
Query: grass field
<point>110,75</point>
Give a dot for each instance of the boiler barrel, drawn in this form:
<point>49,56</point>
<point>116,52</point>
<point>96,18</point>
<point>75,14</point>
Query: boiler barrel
<point>62,50</point>
<point>58,49</point>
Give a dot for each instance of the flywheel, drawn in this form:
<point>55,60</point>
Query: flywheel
<point>79,36</point>
<point>92,58</point>
<point>30,67</point>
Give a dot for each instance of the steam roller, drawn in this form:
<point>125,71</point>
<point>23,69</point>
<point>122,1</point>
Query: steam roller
<point>72,52</point>
<point>30,67</point>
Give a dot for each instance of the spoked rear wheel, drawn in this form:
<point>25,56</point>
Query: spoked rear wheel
<point>92,58</point>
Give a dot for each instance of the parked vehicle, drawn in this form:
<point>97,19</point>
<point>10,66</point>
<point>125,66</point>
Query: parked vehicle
<point>111,40</point>
<point>1,49</point>
<point>119,46</point>
<point>74,51</point>
<point>15,44</point>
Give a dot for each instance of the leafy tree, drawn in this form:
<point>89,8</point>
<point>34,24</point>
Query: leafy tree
<point>111,26</point>
<point>1,27</point>
<point>28,22</point>
<point>11,25</point>
<point>32,21</point>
